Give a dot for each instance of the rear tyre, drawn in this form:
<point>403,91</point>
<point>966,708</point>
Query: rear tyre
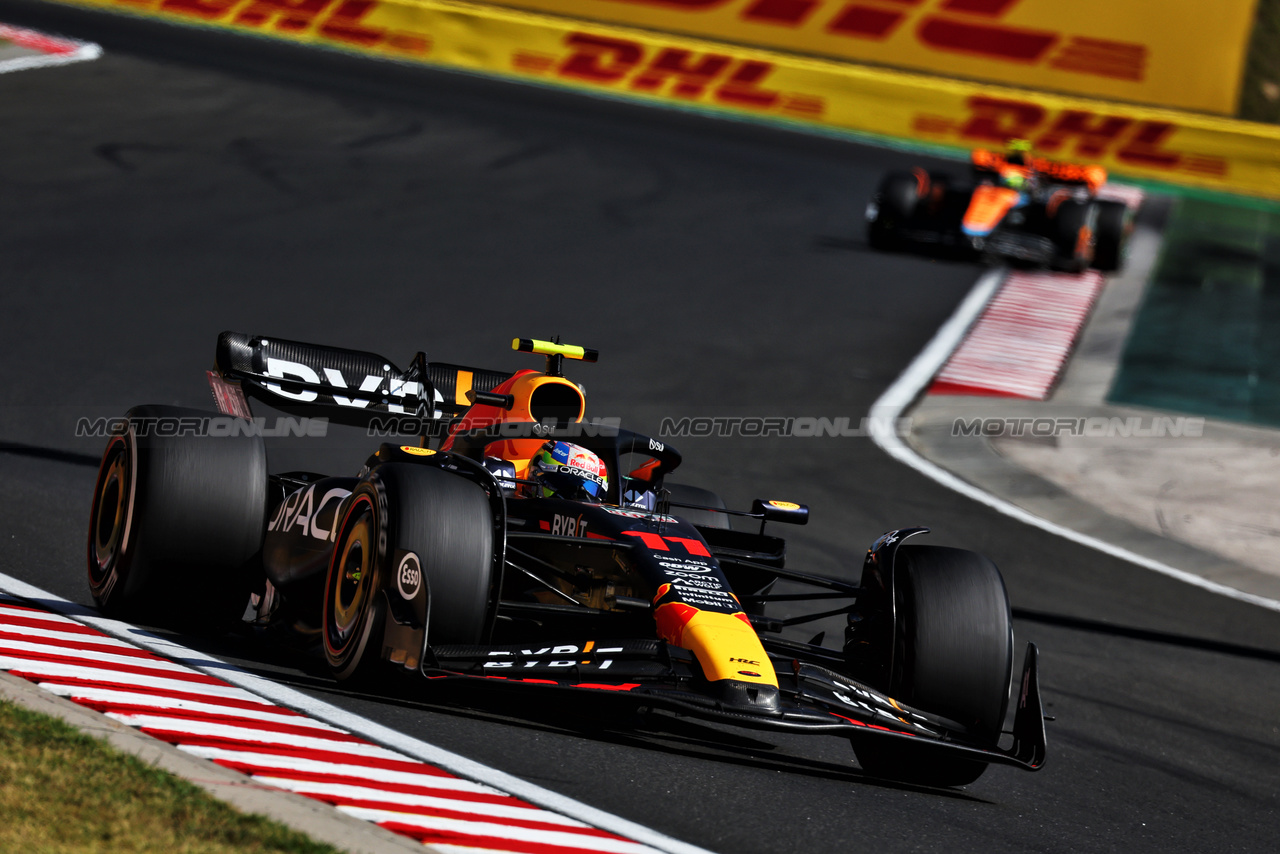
<point>446,522</point>
<point>696,495</point>
<point>1110,237</point>
<point>893,206</point>
<point>953,656</point>
<point>177,521</point>
<point>1073,234</point>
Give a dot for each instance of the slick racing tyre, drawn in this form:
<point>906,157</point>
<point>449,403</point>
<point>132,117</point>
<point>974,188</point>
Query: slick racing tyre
<point>410,531</point>
<point>1072,230</point>
<point>695,495</point>
<point>892,207</point>
<point>952,656</point>
<point>1110,236</point>
<point>178,517</point>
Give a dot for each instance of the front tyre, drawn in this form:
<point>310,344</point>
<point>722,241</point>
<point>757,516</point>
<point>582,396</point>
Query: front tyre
<point>952,656</point>
<point>354,613</point>
<point>446,523</point>
<point>178,518</point>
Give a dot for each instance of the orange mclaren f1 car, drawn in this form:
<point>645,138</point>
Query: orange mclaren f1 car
<point>1017,207</point>
<point>496,538</point>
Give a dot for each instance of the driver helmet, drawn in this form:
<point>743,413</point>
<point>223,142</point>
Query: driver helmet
<point>566,470</point>
<point>1018,152</point>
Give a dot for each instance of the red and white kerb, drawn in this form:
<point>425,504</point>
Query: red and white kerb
<point>277,746</point>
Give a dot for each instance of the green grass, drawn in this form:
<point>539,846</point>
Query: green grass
<point>1207,338</point>
<point>1260,92</point>
<point>62,791</point>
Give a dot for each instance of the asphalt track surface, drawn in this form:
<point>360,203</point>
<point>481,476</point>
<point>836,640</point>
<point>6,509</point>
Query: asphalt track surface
<point>180,186</point>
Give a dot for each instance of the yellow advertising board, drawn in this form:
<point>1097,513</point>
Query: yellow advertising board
<point>678,71</point>
<point>1187,54</point>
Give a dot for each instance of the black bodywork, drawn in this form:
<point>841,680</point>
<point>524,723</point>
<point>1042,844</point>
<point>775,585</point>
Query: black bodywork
<point>574,586</point>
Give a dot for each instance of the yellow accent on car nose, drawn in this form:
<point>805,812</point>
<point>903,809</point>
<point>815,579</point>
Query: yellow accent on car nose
<point>728,648</point>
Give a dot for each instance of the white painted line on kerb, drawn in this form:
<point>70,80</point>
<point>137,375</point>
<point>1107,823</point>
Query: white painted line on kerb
<point>353,792</point>
<point>39,635</point>
<point>159,704</point>
<point>49,672</point>
<point>886,411</point>
<point>50,50</point>
<point>499,830</point>
<point>268,764</point>
<point>353,723</point>
<point>104,660</point>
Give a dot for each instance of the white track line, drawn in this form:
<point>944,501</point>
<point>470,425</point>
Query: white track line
<point>341,718</point>
<point>886,411</point>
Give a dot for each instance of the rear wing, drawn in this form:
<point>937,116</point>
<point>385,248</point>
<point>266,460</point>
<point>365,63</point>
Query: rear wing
<point>349,386</point>
<point>1059,171</point>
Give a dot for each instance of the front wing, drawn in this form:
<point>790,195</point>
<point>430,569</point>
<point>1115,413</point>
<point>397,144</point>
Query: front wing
<point>652,674</point>
<point>1007,243</point>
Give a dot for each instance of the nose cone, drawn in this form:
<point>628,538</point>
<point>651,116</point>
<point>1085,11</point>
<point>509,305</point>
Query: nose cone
<point>987,208</point>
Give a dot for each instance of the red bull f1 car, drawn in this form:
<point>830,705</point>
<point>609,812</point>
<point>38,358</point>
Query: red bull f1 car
<point>1019,208</point>
<point>501,538</point>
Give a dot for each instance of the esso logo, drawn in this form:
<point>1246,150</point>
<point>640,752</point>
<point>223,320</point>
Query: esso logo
<point>409,576</point>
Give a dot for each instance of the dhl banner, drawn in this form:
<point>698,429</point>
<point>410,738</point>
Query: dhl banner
<point>1187,54</point>
<point>1139,142</point>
